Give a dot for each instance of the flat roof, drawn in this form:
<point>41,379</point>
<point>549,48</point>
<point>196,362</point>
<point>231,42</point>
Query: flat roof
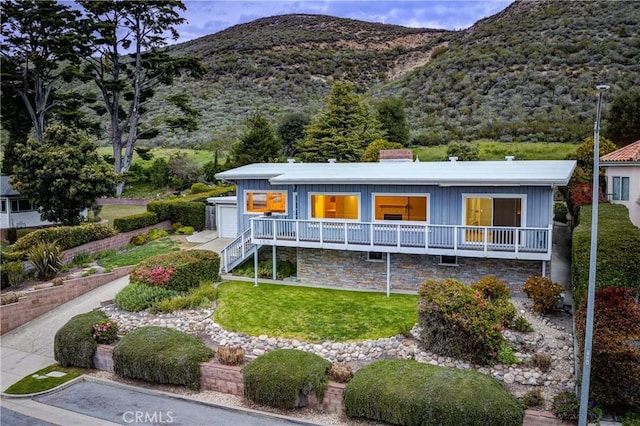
<point>443,173</point>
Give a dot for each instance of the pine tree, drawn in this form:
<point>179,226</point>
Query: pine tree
<point>394,120</point>
<point>258,145</point>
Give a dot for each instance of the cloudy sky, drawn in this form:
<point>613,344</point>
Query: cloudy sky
<point>207,17</point>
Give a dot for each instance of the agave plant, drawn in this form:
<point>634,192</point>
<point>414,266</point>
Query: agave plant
<point>46,258</point>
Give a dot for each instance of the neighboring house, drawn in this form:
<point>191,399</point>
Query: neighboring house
<point>622,170</point>
<point>394,224</point>
<point>17,211</point>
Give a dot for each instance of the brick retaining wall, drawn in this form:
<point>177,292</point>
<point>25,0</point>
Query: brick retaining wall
<point>38,302</point>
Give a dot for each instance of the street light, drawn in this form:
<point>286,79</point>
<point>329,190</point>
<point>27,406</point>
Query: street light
<point>588,334</point>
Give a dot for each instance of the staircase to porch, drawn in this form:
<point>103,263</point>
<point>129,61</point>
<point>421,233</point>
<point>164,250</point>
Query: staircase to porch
<point>237,252</point>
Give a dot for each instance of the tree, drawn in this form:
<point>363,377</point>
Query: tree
<point>342,129</point>
<point>391,114</point>
<point>623,123</point>
<point>63,174</point>
<point>258,145</point>
<point>127,82</point>
<point>463,150</point>
<point>37,37</point>
<point>584,158</point>
<point>291,131</point>
<point>372,153</point>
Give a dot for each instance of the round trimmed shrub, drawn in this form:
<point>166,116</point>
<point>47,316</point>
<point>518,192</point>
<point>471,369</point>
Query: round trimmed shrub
<point>284,377</point>
<point>411,393</point>
<point>179,270</point>
<point>161,355</point>
<point>73,344</point>
<point>492,288</point>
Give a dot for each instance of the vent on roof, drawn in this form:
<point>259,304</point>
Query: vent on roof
<point>453,159</point>
<point>509,157</point>
<point>291,160</point>
<point>332,160</point>
<point>395,155</point>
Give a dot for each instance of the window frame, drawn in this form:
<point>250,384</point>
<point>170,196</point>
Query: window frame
<point>358,195</point>
<point>265,191</point>
<point>523,206</point>
<point>19,201</point>
<point>401,194</point>
<point>623,182</point>
<point>375,257</point>
<point>3,205</point>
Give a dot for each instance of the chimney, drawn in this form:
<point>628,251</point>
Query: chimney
<point>453,159</point>
<point>387,155</point>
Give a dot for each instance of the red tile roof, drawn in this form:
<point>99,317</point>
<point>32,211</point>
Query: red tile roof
<point>630,152</point>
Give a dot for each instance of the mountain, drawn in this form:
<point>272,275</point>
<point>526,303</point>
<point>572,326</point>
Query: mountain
<point>527,73</point>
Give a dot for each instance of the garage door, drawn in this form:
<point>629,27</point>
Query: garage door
<point>228,222</point>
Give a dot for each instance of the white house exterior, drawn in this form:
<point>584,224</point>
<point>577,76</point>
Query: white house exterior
<point>395,224</point>
<point>622,170</point>
<point>17,211</point>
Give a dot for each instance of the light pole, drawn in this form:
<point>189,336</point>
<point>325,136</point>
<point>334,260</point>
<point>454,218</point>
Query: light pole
<point>588,334</point>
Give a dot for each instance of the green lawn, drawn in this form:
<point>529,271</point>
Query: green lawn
<point>140,253</point>
<point>113,211</point>
<point>31,384</point>
<point>202,157</point>
<point>313,314</point>
<point>490,150</point>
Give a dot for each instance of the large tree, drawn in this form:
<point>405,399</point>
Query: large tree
<point>63,174</point>
<point>342,129</point>
<point>127,65</point>
<point>623,122</point>
<point>394,120</point>
<point>38,37</point>
<point>291,132</point>
<point>257,145</point>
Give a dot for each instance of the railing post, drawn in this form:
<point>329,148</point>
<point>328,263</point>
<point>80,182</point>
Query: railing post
<point>321,232</point>
<point>455,238</point>
<point>273,230</point>
<point>371,235</point>
<point>346,238</point>
<point>517,240</point>
<point>297,231</point>
<point>486,240</point>
<point>398,235</point>
<point>549,240</point>
<point>426,237</point>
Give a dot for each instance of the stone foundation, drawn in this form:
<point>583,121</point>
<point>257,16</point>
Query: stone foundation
<point>351,269</point>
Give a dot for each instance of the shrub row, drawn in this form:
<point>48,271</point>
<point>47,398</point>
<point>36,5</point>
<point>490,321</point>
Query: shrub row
<point>284,377</point>
<point>135,221</point>
<point>618,258</point>
<point>458,321</point>
<point>411,393</point>
<point>73,344</point>
<point>187,213</point>
<point>161,355</point>
<point>615,357</point>
<point>137,297</point>
<point>178,270</point>
<point>66,236</point>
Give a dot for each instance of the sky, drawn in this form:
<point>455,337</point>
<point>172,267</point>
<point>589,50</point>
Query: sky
<point>207,17</point>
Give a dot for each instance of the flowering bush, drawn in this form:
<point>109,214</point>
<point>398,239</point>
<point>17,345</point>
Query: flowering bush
<point>156,276</point>
<point>179,271</point>
<point>105,331</point>
<point>492,288</point>
<point>544,292</point>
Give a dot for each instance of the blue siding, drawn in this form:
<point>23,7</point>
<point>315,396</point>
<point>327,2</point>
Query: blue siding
<point>445,203</point>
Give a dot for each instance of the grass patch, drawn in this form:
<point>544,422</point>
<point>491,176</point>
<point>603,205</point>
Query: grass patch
<point>139,253</point>
<point>30,384</point>
<point>114,211</point>
<point>490,150</point>
<point>313,314</point>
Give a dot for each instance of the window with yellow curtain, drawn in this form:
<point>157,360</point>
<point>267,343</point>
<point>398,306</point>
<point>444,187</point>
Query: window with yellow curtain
<point>260,202</point>
<point>396,207</point>
<point>335,206</point>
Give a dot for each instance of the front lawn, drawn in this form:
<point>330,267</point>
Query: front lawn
<point>45,379</point>
<point>313,314</point>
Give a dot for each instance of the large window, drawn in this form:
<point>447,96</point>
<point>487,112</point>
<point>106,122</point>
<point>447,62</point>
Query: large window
<point>335,206</point>
<point>266,201</point>
<point>21,205</point>
<point>411,208</point>
<point>620,188</point>
<point>495,210</point>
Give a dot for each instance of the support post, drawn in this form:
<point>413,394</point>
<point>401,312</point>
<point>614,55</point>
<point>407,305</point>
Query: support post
<point>274,263</point>
<point>255,267</point>
<point>388,274</point>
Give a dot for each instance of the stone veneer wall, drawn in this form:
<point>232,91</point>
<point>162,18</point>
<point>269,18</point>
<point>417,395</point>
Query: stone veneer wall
<point>350,269</point>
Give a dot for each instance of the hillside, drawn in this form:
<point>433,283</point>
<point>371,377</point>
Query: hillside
<point>526,73</point>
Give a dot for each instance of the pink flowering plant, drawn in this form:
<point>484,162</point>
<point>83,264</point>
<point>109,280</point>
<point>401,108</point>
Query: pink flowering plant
<point>105,332</point>
<point>156,275</point>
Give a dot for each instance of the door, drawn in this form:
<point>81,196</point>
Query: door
<point>492,212</point>
<point>227,221</point>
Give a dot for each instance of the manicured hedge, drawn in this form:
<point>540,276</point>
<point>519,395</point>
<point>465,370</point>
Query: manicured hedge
<point>615,357</point>
<point>66,236</point>
<point>161,355</point>
<point>135,221</point>
<point>73,344</point>
<point>411,393</point>
<point>284,377</point>
<point>179,271</point>
<point>618,258</point>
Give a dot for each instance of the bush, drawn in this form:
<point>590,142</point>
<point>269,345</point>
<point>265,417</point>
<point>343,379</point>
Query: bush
<point>73,344</point>
<point>618,259</point>
<point>66,236</point>
<point>82,259</point>
<point>8,298</point>
<point>507,356</point>
<point>521,324</point>
<point>138,240</point>
<point>615,356</point>
<point>541,360</point>
<point>199,187</point>
<point>12,273</point>
<point>178,270</point>
<point>135,221</point>
<point>161,355</point>
<point>198,297</point>
<point>560,212</point>
<point>179,210</point>
<point>544,292</point>
<point>156,234</point>
<point>46,258</point>
<point>340,372</point>
<point>265,269</point>
<point>284,377</point>
<point>457,321</point>
<point>412,393</point>
<point>492,288</point>
<point>185,230</point>
<point>566,406</point>
<point>105,331</point>
<point>230,355</point>
<point>136,297</point>
<point>533,399</point>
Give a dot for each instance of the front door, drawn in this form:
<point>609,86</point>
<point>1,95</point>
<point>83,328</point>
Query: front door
<point>492,212</point>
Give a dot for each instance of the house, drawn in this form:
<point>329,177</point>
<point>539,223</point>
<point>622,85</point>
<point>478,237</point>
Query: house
<point>394,224</point>
<point>622,171</point>
<point>17,211</point>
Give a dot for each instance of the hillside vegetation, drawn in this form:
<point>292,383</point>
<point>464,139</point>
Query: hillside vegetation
<point>527,73</point>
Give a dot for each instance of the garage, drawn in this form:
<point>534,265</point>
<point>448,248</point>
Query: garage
<point>226,215</point>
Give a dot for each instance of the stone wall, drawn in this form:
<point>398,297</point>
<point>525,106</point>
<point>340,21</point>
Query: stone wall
<point>38,302</point>
<point>351,269</point>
